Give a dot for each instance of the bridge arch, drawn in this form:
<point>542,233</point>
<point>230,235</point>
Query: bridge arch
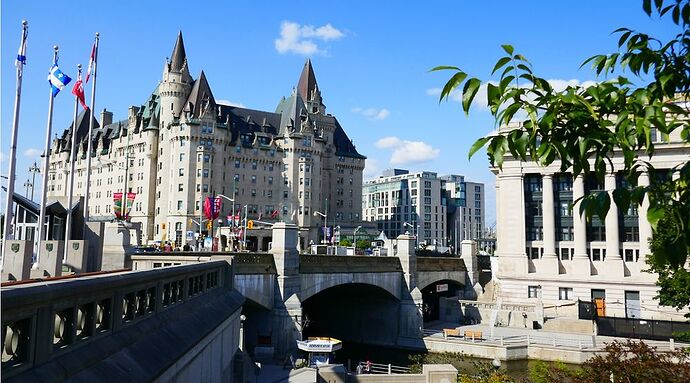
<point>312,284</point>
<point>434,293</point>
<point>427,278</point>
<point>354,313</point>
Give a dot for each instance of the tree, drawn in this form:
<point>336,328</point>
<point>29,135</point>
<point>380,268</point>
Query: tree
<point>585,127</point>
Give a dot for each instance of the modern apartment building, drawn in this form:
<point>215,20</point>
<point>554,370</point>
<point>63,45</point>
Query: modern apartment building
<point>439,210</point>
<point>547,251</point>
<point>181,146</point>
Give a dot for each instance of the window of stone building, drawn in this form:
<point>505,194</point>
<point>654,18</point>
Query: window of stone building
<point>253,192</point>
<point>205,188</point>
<point>181,172</point>
<point>532,291</point>
<point>180,187</point>
<point>565,293</point>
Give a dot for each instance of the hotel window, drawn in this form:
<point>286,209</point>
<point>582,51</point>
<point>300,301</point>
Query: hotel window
<point>181,172</point>
<point>532,291</point>
<point>253,179</point>
<point>565,293</point>
<point>179,205</point>
<point>565,253</point>
<point>180,187</point>
<point>534,253</point>
<point>205,173</point>
<point>565,209</point>
<point>181,157</point>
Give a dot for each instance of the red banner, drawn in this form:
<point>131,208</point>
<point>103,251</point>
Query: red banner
<point>212,207</point>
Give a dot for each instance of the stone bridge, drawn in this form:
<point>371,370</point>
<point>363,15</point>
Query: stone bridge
<point>290,295</point>
<point>168,324</point>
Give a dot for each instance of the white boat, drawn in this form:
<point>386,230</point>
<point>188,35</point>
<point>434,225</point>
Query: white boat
<point>320,349</point>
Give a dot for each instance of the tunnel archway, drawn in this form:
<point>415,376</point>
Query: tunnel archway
<point>354,312</point>
<point>432,294</point>
<point>257,326</point>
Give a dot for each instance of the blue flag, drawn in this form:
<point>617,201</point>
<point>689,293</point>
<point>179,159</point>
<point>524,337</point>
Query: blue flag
<point>57,79</point>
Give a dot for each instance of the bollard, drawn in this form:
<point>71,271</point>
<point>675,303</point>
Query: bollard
<point>389,368</point>
<point>671,344</point>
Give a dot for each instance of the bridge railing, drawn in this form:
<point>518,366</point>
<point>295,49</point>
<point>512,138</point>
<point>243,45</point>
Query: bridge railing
<point>46,319</point>
<point>347,264</point>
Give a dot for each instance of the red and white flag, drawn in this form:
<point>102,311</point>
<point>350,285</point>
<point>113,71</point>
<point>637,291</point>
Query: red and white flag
<point>78,90</point>
<point>92,60</point>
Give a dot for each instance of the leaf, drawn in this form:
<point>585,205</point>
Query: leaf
<point>622,199</point>
<point>453,83</point>
<point>477,145</point>
<point>444,67</point>
<point>647,7</point>
<point>493,96</point>
<point>468,93</point>
<point>508,49</point>
<point>654,214</point>
<point>623,37</point>
<point>500,63</point>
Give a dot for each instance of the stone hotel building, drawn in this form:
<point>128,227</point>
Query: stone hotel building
<point>181,146</point>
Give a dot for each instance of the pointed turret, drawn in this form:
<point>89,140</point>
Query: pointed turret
<point>308,89</point>
<point>200,98</point>
<point>178,59</point>
<point>292,111</point>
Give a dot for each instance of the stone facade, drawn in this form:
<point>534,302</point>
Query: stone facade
<point>548,252</point>
<point>180,147</point>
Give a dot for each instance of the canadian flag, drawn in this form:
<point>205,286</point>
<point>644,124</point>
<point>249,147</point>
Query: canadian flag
<point>78,90</point>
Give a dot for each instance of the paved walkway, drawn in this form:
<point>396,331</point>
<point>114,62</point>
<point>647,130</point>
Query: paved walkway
<point>272,373</point>
<point>516,334</point>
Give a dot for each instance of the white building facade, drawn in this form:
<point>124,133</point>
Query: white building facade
<point>181,146</point>
<point>436,209</point>
<point>548,252</point>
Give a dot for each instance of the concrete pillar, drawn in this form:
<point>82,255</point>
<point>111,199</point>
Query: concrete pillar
<point>548,213</point>
<point>411,320</point>
<point>50,258</point>
<point>287,312</point>
<point>286,258</point>
<point>76,251</point>
<point>581,263</point>
<point>512,259</point>
<point>614,267</point>
<point>408,259</point>
<point>17,260</point>
<point>469,255</point>
<point>645,227</point>
<point>116,246</point>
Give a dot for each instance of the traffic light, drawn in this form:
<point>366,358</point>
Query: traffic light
<point>250,224</point>
<point>209,225</point>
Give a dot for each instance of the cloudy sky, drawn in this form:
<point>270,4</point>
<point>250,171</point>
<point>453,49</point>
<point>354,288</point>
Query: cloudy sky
<point>372,62</point>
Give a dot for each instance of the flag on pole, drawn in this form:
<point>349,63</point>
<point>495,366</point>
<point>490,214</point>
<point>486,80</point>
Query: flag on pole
<point>92,60</point>
<point>57,79</point>
<point>274,214</point>
<point>78,90</point>
<point>21,53</point>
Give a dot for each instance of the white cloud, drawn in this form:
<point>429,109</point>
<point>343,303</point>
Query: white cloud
<point>479,101</point>
<point>33,152</point>
<point>230,103</point>
<point>407,152</point>
<point>372,169</point>
<point>373,113</point>
<point>299,39</point>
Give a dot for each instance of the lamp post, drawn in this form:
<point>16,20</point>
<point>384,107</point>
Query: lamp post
<point>33,170</point>
<point>325,222</point>
<point>233,210</point>
<point>354,238</point>
<point>28,185</point>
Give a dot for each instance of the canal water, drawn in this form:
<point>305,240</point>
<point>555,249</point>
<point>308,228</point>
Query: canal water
<point>353,353</point>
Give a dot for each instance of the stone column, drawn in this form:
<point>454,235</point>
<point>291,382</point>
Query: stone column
<point>17,260</point>
<point>510,246</point>
<point>645,227</point>
<point>287,311</point>
<point>580,262</point>
<point>549,262</point>
<point>408,259</point>
<point>76,260</point>
<point>614,262</point>
<point>50,259</point>
<point>469,255</point>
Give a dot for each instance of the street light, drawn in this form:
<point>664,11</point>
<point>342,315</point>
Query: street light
<point>33,170</point>
<point>325,223</point>
<point>233,211</point>
<point>354,238</point>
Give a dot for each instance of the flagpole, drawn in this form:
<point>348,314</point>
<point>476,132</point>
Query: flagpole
<point>46,164</point>
<point>90,136</point>
<point>72,160</point>
<point>13,144</point>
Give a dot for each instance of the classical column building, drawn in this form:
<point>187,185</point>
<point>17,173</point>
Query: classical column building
<point>548,252</point>
<point>181,146</point>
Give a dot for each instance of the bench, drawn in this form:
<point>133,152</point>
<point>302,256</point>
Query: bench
<point>450,332</point>
<point>469,334</point>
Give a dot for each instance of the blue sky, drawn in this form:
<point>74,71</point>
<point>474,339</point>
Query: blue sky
<point>371,61</point>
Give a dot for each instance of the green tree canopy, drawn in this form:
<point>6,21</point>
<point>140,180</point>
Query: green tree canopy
<point>583,128</point>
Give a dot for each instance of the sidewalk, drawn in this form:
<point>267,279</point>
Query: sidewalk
<point>273,373</point>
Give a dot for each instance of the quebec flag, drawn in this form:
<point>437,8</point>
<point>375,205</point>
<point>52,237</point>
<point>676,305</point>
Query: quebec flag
<point>57,79</point>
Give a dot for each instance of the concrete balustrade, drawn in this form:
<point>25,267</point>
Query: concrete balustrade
<point>73,326</point>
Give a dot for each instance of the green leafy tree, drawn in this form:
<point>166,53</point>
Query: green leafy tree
<point>583,128</point>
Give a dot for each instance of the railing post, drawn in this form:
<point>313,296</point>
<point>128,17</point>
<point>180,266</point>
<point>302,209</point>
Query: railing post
<point>579,343</point>
<point>501,340</point>
<point>554,341</point>
<point>389,368</point>
<point>671,344</point>
<point>528,340</point>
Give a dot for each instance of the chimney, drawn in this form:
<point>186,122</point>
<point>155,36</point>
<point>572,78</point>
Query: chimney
<point>106,117</point>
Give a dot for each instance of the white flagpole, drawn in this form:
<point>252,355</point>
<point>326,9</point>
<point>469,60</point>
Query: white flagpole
<point>73,161</point>
<point>90,136</point>
<point>46,165</point>
<point>13,145</point>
